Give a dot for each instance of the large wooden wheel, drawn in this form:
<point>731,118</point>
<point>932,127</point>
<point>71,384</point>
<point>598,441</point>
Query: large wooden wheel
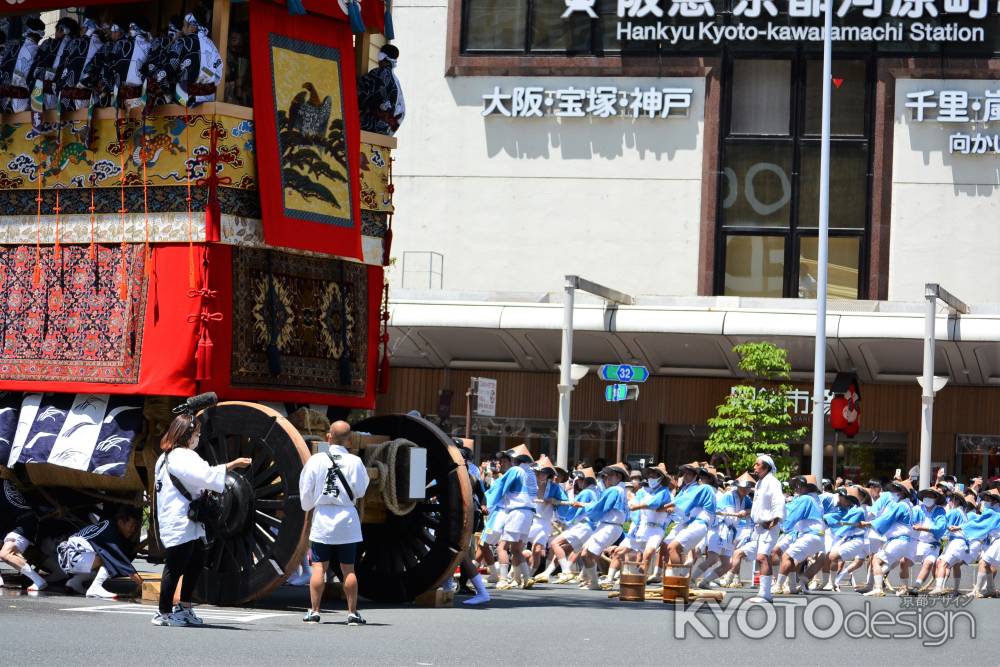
<point>408,555</point>
<point>261,538</point>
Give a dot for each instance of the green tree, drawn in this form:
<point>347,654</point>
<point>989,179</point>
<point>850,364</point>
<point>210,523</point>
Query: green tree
<point>756,417</point>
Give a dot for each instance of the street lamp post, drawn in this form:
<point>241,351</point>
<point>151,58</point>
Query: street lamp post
<point>819,365</point>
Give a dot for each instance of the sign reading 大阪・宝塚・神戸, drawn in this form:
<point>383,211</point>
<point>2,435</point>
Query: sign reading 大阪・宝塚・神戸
<point>971,116</point>
<point>596,101</point>
<point>700,22</point>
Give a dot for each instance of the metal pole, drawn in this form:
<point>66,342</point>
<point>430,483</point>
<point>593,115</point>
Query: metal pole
<point>819,366</point>
<point>927,395</point>
<point>618,448</point>
<point>565,377</point>
<point>468,408</point>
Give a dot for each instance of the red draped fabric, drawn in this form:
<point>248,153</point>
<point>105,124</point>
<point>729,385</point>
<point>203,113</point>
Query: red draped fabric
<point>307,130</point>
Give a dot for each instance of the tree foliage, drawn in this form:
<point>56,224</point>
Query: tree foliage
<point>756,417</point>
<point>304,160</point>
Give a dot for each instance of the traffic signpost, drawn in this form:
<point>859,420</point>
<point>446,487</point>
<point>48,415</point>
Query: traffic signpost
<point>621,391</point>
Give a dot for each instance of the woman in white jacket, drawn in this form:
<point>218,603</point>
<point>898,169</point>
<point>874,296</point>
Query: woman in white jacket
<point>181,537</point>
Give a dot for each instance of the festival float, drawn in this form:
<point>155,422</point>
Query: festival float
<point>159,252</point>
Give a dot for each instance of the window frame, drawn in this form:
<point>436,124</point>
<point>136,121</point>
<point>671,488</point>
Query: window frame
<point>797,138</point>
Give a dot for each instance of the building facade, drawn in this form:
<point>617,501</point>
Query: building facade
<point>670,149</point>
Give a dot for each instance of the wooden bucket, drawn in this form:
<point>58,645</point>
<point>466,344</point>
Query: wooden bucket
<point>675,589</point>
<point>632,587</point>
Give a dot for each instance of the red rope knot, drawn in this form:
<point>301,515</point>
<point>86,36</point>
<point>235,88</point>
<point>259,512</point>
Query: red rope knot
<point>204,293</point>
<point>205,317</point>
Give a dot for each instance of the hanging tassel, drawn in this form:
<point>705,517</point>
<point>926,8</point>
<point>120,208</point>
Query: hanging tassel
<point>296,8</point>
<point>36,275</point>
<point>57,249</point>
<point>145,199</point>
<point>389,31</point>
<point>93,248</point>
<point>123,270</point>
<point>203,357</point>
<point>354,16</point>
<point>383,369</point>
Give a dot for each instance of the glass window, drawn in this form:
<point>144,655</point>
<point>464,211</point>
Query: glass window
<point>496,25</point>
<point>551,32</point>
<point>761,97</point>
<point>842,272</point>
<point>848,186</point>
<point>755,266</point>
<point>757,184</point>
<point>847,101</point>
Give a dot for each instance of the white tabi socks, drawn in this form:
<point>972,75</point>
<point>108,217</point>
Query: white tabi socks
<point>957,580</point>
<point>765,587</point>
<point>97,589</point>
<point>504,573</point>
<point>481,596</point>
<point>793,581</point>
<point>525,570</point>
<point>38,583</point>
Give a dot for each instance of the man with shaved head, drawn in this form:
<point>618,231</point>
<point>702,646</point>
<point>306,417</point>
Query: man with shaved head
<point>329,485</point>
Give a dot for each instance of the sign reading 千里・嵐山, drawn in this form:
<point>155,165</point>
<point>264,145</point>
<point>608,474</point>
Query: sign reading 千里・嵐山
<point>593,101</point>
<point>978,112</point>
<point>679,22</point>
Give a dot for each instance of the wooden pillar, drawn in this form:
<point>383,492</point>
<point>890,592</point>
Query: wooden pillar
<point>220,35</point>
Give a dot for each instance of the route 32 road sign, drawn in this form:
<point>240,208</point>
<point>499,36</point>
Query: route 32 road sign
<point>623,373</point>
<point>614,393</point>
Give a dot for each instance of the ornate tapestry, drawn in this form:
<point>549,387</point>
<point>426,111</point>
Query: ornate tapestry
<point>307,131</point>
<point>72,327</point>
<point>303,322</point>
<point>376,190</point>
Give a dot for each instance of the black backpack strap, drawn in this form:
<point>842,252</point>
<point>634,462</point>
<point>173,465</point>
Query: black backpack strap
<point>340,476</point>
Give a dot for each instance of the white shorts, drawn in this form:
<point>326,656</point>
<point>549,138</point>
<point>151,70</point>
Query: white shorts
<point>805,547</point>
<point>76,556</point>
<point>828,540</point>
<point>602,538</point>
<point>577,534</point>
<point>923,551</point>
<point>783,542</point>
<point>991,555</point>
<point>720,540</point>
<point>690,535</point>
<point>875,544</point>
<point>517,525</point>
<point>21,543</point>
<point>492,534</point>
<point>893,551</point>
<point>761,542</point>
<point>850,549</point>
<point>540,534</point>
<point>960,551</point>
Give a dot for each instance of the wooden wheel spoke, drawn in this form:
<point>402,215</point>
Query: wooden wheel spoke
<point>263,534</point>
<point>263,492</point>
<point>270,504</point>
<point>266,519</point>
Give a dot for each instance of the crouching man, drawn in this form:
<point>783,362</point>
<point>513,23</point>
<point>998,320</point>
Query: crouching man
<point>101,551</point>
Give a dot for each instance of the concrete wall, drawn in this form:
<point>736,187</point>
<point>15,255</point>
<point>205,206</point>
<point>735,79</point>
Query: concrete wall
<point>516,204</point>
<point>945,208</point>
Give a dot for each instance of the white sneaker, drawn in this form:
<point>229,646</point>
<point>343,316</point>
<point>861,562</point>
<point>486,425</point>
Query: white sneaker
<point>542,578</point>
<point>98,591</point>
<point>188,615</point>
<point>173,620</point>
<point>595,585</point>
<point>829,586</point>
<point>875,593</point>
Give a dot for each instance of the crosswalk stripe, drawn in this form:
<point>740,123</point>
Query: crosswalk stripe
<point>207,614</point>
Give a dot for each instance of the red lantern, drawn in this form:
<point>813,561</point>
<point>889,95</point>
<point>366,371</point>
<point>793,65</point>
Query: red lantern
<point>838,420</point>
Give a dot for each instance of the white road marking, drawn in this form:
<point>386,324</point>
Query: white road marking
<point>227,615</point>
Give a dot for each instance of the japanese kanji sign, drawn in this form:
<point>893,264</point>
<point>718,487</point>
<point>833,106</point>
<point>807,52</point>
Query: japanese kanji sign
<point>594,101</point>
<point>974,116</point>
<point>856,20</point>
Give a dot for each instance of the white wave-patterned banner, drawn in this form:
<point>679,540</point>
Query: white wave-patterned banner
<point>88,432</point>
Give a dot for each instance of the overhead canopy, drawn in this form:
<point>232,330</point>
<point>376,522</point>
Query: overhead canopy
<point>881,341</point>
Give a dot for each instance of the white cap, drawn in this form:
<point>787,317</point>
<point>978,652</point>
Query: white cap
<point>765,458</point>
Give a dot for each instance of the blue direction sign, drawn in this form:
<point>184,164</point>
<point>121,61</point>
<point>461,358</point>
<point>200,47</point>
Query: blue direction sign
<point>615,392</point>
<point>623,373</point>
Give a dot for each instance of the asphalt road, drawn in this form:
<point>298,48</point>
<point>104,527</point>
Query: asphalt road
<point>548,625</point>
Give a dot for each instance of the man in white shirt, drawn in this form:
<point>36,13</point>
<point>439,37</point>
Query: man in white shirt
<point>329,484</point>
<point>766,513</point>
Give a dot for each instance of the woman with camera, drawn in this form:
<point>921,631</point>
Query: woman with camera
<point>182,477</point>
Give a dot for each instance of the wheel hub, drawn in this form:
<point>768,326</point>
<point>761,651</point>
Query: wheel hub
<point>237,501</point>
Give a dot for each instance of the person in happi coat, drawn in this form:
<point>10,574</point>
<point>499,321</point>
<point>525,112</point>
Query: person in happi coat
<point>804,521</point>
<point>195,62</point>
<point>10,45</point>
<point>607,515</point>
<point>989,561</point>
<point>80,50</point>
<point>566,545</point>
<point>696,507</point>
<point>550,495</point>
<point>380,95</point>
<point>734,511</point>
<point>894,525</point>
<point>50,59</point>
<point>133,90</point>
<point>649,504</point>
<point>930,523</point>
<point>20,84</point>
<point>844,523</point>
<point>519,489</point>
<point>101,551</point>
<point>159,82</point>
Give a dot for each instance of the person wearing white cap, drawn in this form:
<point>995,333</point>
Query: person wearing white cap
<point>606,514</point>
<point>767,511</point>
